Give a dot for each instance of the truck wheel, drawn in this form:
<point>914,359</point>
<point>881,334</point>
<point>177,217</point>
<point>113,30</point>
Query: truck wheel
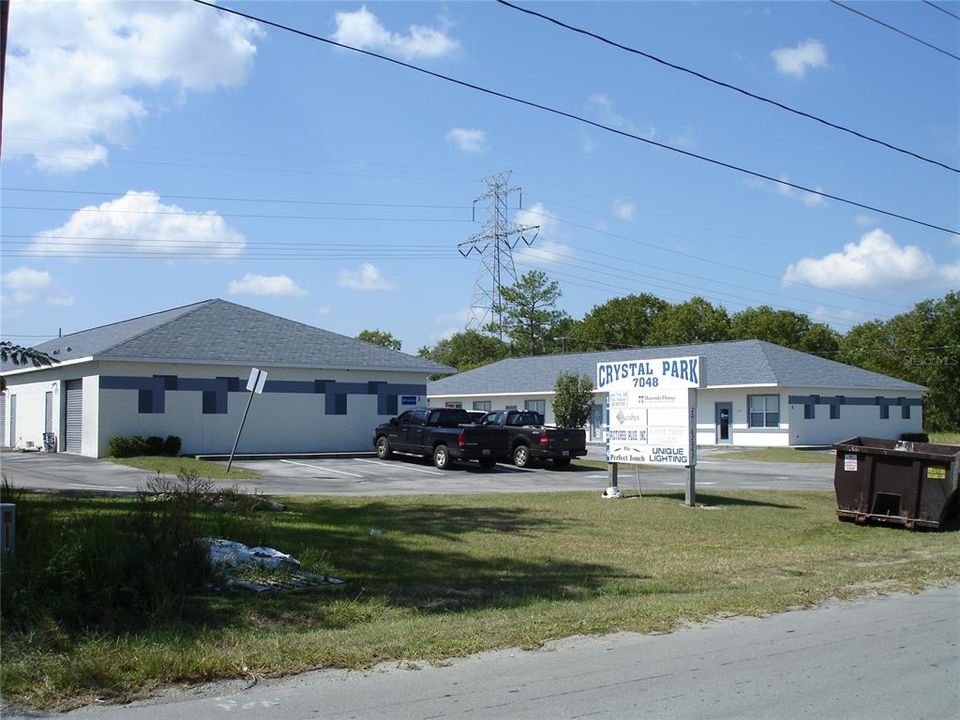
<point>561,462</point>
<point>487,463</point>
<point>521,456</point>
<point>441,457</point>
<point>383,448</point>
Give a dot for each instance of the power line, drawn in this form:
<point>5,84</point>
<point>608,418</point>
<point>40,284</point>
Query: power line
<point>223,198</point>
<point>264,156</point>
<point>201,214</point>
<point>646,282</point>
<point>98,246</point>
<point>727,85</point>
<point>643,285</point>
<point>648,266</point>
<point>895,29</point>
<point>703,259</point>
<point>240,168</point>
<point>126,241</point>
<point>941,9</point>
<point>578,118</point>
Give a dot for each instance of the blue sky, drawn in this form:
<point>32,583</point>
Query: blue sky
<point>161,153</point>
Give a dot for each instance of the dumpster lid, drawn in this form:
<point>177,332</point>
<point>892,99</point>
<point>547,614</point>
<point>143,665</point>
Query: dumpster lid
<point>903,448</point>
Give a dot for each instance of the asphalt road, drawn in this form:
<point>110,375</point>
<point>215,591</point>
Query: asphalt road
<point>368,476</point>
<point>895,657</point>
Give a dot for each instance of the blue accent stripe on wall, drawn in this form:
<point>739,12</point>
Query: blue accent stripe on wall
<point>152,391</point>
<point>883,403</point>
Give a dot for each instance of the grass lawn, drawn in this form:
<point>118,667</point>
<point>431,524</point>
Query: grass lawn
<point>945,437</point>
<point>174,465</point>
<point>781,454</point>
<point>435,577</point>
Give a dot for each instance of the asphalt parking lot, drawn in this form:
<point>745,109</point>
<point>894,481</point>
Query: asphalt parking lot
<point>365,475</point>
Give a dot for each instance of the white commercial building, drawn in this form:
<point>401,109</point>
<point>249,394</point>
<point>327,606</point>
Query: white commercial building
<point>183,372</point>
<point>756,393</point>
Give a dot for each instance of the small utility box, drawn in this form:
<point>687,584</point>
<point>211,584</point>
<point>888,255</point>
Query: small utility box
<point>895,481</point>
<point>8,529</point>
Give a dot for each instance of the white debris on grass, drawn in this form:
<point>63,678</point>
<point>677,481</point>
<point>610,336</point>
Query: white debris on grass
<point>227,554</point>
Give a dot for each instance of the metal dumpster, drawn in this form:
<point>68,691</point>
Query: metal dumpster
<point>896,481</point>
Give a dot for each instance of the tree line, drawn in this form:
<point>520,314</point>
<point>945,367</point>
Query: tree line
<point>921,346</point>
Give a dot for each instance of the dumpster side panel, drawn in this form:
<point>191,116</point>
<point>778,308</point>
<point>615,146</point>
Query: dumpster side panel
<point>938,494</point>
<point>912,484</point>
<point>894,486</point>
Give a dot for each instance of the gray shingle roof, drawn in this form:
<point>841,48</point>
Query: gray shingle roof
<point>217,331</point>
<point>738,362</point>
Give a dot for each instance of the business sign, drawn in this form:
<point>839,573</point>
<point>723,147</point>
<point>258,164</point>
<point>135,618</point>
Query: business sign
<point>408,399</point>
<point>652,406</point>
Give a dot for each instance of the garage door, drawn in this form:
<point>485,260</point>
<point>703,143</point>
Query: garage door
<point>74,390</point>
<point>3,419</point>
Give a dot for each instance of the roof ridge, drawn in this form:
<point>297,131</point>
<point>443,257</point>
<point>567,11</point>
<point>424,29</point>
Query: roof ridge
<point>194,307</point>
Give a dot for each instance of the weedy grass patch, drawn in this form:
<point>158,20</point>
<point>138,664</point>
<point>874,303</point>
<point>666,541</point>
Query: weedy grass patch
<point>774,454</point>
<point>435,577</point>
<point>185,465</point>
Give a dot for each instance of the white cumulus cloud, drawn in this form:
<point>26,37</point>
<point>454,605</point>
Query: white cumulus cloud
<point>368,277</point>
<point>362,29</point>
<point>83,73</point>
<point>876,262</point>
<point>252,284</point>
<point>544,250</point>
<point>470,141</point>
<point>139,223</point>
<point>797,60</point>
<point>22,285</point>
<point>624,210</point>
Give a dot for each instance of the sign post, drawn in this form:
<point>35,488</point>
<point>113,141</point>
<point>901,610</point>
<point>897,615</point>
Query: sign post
<point>255,383</point>
<point>652,417</point>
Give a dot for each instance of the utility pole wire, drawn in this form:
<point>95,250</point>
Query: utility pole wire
<point>578,118</point>
<point>727,85</point>
<point>941,9</point>
<point>895,29</point>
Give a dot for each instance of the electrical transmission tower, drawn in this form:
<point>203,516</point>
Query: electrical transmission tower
<point>495,246</point>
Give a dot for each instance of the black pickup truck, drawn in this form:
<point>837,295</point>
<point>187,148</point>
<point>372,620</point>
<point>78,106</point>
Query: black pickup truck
<point>446,434</point>
<point>529,440</point>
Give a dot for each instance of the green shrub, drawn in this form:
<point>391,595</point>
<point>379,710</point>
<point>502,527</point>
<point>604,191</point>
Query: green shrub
<point>122,446</point>
<point>132,446</point>
<point>915,437</point>
<point>171,446</point>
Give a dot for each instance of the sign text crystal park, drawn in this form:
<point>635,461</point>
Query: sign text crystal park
<point>652,406</point>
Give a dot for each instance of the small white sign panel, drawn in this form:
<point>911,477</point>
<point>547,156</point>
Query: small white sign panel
<point>256,381</point>
<point>849,462</point>
<point>653,410</point>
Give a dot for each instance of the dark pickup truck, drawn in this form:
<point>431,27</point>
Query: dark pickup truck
<point>445,434</point>
<point>529,440</point>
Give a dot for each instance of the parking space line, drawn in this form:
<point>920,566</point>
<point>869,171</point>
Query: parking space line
<point>91,486</point>
<point>318,467</point>
<point>400,467</point>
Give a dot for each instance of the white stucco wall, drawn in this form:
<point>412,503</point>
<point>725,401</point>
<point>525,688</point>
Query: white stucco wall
<point>30,412</point>
<point>278,421</point>
<point>793,429</point>
<point>854,420</point>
